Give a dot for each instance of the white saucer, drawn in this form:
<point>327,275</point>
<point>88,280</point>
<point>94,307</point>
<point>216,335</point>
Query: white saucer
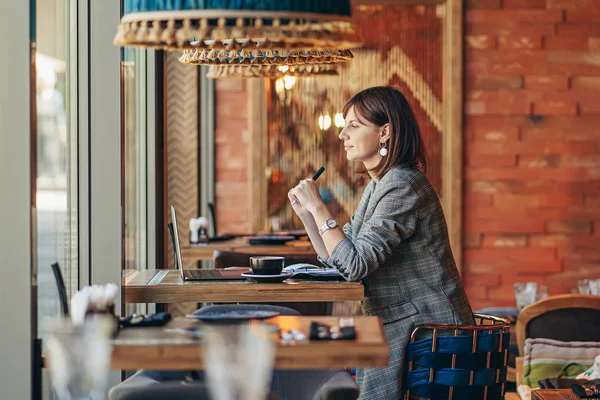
<point>268,278</point>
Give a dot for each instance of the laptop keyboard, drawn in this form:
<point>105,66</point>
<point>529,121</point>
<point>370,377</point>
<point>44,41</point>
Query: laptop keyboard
<point>203,273</point>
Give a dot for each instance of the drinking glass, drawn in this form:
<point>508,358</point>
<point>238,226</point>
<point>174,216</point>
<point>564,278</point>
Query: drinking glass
<point>595,287</point>
<point>238,360</point>
<point>525,293</point>
<point>79,356</point>
<point>542,292</point>
<point>583,286</point>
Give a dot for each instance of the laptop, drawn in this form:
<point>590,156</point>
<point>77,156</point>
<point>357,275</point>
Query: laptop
<point>199,274</point>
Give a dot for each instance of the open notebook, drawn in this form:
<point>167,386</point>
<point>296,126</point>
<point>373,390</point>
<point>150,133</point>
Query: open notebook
<point>312,272</point>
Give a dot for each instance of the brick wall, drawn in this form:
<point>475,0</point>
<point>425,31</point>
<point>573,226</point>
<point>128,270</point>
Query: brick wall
<point>532,140</point>
<point>532,132</point>
<point>231,144</point>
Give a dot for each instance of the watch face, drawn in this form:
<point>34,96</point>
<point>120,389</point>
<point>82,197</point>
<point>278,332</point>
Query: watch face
<point>331,223</point>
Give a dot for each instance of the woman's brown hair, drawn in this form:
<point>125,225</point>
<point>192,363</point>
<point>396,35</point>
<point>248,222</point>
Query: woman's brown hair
<point>382,105</point>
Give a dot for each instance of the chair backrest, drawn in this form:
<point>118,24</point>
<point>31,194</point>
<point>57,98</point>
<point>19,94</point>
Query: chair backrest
<point>458,361</point>
<point>62,290</point>
<point>565,317</point>
<point>223,259</point>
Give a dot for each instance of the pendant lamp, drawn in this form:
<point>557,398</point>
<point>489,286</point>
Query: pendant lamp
<point>270,71</point>
<point>242,32</point>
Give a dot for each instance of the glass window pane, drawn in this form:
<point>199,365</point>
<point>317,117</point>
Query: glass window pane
<point>56,154</point>
<point>135,150</point>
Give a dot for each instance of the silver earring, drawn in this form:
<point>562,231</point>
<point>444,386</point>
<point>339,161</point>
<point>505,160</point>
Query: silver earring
<point>382,149</point>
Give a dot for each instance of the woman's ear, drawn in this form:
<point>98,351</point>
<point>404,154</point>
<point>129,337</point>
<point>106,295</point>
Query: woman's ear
<point>385,133</point>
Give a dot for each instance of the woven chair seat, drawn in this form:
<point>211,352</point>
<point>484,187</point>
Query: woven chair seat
<point>458,361</point>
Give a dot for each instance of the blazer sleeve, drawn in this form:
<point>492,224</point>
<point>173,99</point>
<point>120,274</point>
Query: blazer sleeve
<point>347,228</point>
<point>393,220</point>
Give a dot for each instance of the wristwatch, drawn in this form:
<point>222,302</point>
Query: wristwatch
<point>329,223</point>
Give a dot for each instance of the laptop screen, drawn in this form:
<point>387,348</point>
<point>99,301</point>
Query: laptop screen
<point>177,245</point>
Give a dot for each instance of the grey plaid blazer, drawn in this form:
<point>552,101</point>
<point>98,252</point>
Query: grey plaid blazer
<point>397,245</point>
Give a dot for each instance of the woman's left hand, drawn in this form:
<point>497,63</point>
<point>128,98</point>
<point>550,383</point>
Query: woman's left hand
<point>307,193</point>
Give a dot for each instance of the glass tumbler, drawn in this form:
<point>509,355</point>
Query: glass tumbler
<point>79,356</point>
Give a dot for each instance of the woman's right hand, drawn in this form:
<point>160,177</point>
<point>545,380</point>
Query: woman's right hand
<point>297,206</point>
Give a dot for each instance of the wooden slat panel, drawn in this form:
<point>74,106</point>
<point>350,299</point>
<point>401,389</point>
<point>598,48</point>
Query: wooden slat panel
<point>153,348</point>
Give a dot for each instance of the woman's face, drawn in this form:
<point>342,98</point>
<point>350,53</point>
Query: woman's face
<point>361,141</point>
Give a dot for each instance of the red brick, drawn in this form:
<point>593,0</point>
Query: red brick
<point>586,241</point>
<point>538,186</point>
<point>543,161</point>
<point>498,122</point>
<point>565,281</point>
<point>578,29</point>
<point>577,161</point>
<point>507,27</point>
<point>594,43</point>
<point>520,42</point>
<point>475,292</point>
<point>485,4</point>
<point>544,213</point>
<point>586,82</point>
<point>478,199</point>
<point>504,241</point>
<point>593,201</point>
<point>535,266</point>
<point>229,175</point>
<point>488,266</point>
<point>581,254</point>
<point>480,42</point>
<point>482,279</point>
<point>583,15</point>
<point>494,134</point>
<point>524,3</point>
<point>536,200</point>
<point>494,62</point>
<point>568,227</point>
<point>589,107</point>
<point>550,241</point>
<point>497,107</point>
<point>531,95</point>
<point>533,147</point>
<point>472,240</point>
<point>555,108</point>
<point>501,296</point>
<point>493,160</point>
<point>570,4</point>
<point>230,85</point>
<point>577,133</point>
<point>565,43</point>
<point>535,16</point>
<point>547,82</point>
<point>232,104</point>
<point>228,128</point>
<point>498,82</point>
<point>556,174</point>
<point>503,226</point>
<point>509,279</point>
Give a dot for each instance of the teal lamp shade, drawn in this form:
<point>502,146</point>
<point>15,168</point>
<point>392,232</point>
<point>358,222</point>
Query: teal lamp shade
<point>243,32</point>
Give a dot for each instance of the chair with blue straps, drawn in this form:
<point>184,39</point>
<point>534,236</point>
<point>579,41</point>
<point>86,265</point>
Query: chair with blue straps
<point>458,361</point>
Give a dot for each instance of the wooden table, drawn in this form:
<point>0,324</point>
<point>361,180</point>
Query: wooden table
<point>554,394</point>
<point>150,286</point>
<point>241,245</point>
<point>154,348</point>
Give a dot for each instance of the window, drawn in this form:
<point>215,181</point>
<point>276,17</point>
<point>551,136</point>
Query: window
<point>57,176</point>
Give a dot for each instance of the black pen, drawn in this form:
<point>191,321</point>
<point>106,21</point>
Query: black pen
<point>318,173</point>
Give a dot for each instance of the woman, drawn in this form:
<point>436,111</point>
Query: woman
<point>397,241</point>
